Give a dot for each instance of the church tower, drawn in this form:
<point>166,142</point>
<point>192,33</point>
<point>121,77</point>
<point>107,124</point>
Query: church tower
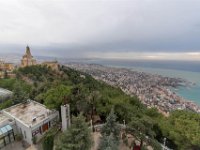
<point>27,59</point>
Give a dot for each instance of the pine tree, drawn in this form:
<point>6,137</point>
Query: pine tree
<point>108,143</point>
<point>110,133</point>
<point>77,137</point>
<point>111,126</point>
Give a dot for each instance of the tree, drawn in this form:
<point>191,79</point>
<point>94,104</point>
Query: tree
<point>183,128</point>
<point>142,129</point>
<point>92,100</point>
<point>77,137</point>
<point>108,143</point>
<point>5,104</point>
<point>7,83</point>
<point>48,139</point>
<point>54,97</point>
<point>111,126</point>
<point>110,133</point>
<point>20,92</point>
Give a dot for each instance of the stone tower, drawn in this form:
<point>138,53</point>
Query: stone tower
<point>27,59</point>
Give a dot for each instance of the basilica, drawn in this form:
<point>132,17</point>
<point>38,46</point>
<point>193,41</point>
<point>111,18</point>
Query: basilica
<point>27,59</point>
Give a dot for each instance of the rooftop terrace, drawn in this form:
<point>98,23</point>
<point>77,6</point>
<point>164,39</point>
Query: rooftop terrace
<point>3,119</point>
<point>30,113</point>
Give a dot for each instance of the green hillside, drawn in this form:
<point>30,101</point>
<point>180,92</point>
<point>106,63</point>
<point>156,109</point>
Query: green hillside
<point>95,99</point>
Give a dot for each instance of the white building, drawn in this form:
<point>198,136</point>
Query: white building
<point>30,119</point>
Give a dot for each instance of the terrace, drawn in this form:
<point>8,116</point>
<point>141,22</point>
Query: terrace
<point>29,113</point>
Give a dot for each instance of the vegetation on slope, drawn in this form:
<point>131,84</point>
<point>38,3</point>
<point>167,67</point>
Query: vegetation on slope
<point>110,133</point>
<point>94,99</point>
<point>77,137</point>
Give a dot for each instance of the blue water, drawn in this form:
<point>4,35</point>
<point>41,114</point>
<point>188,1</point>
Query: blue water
<point>189,70</point>
<point>191,66</point>
<point>190,93</point>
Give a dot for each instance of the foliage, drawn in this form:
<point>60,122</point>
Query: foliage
<point>110,133</point>
<point>96,98</point>
<point>111,127</point>
<point>142,128</point>
<point>35,73</point>
<point>7,83</point>
<point>34,140</point>
<point>77,137</point>
<point>48,139</point>
<point>6,104</point>
<point>108,143</point>
<point>54,97</point>
<point>183,128</point>
<point>20,90</point>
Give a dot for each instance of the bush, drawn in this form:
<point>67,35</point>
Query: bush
<point>34,140</point>
<point>48,139</point>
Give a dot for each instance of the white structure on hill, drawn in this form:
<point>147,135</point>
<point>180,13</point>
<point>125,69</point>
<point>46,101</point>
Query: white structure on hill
<point>65,115</point>
<point>30,119</point>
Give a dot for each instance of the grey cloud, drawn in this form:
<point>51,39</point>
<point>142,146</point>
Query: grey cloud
<point>71,28</point>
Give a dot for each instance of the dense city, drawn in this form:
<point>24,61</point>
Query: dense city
<point>152,90</point>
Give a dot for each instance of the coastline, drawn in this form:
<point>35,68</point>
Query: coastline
<point>187,92</point>
<point>151,89</point>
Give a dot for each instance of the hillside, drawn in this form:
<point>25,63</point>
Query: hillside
<point>95,100</point>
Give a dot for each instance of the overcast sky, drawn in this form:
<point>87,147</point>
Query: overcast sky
<point>143,29</point>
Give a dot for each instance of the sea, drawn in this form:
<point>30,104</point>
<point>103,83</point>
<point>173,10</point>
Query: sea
<point>188,70</point>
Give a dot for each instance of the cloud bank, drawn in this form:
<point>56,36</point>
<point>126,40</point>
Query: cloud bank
<point>94,28</point>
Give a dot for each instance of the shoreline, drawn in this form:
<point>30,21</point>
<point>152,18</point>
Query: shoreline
<point>194,81</point>
<point>152,90</point>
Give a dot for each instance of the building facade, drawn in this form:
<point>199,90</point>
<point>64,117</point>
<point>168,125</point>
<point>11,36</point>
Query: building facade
<point>6,69</point>
<point>6,66</point>
<point>27,59</point>
<point>54,65</point>
<point>30,119</point>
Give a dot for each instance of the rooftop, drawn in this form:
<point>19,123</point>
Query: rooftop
<point>4,119</point>
<point>30,113</point>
